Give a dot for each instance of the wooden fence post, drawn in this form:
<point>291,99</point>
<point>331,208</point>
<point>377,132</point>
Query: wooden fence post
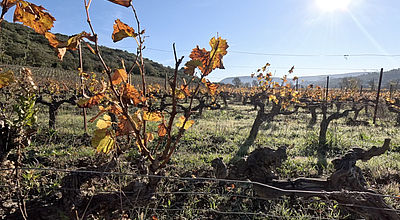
<point>82,86</point>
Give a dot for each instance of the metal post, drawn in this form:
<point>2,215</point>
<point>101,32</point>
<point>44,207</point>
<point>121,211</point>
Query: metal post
<point>327,88</point>
<point>377,95</point>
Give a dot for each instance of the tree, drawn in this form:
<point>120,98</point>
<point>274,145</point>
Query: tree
<point>237,82</point>
<point>350,83</point>
<point>254,83</point>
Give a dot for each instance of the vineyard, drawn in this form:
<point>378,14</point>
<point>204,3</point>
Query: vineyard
<point>119,144</point>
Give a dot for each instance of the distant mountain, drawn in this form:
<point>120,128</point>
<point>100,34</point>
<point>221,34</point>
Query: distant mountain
<point>366,79</point>
<point>20,45</point>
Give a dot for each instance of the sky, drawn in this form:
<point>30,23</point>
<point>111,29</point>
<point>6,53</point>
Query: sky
<point>314,37</point>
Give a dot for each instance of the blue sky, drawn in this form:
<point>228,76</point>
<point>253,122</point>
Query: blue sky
<point>273,31</point>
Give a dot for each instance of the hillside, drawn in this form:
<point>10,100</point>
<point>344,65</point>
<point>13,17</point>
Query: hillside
<point>336,81</point>
<point>20,45</point>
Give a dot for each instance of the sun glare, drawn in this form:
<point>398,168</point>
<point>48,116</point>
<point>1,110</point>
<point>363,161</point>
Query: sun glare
<point>333,5</point>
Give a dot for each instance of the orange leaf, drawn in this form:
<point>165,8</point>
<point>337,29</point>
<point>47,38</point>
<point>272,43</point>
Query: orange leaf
<point>185,89</point>
<point>203,56</point>
<point>121,31</point>
<point>33,16</point>
<point>162,130</point>
<point>131,93</point>
<point>119,76</point>
<point>125,3</point>
<point>212,88</point>
<point>124,126</point>
<point>90,102</point>
<point>52,39</point>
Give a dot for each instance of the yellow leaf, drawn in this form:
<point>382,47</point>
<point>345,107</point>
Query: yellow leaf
<point>121,31</point>
<point>102,141</point>
<point>6,78</point>
<point>33,16</point>
<point>152,116</point>
<point>119,76</point>
<point>181,120</point>
<point>179,94</point>
<point>218,50</point>
<point>103,124</point>
<point>272,98</point>
<point>149,137</point>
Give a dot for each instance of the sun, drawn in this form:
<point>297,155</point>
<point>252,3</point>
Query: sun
<point>333,5</point>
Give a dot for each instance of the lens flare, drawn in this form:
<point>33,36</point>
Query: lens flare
<point>333,5</point>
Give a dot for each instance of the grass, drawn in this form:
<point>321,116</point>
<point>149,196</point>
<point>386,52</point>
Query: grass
<point>215,134</point>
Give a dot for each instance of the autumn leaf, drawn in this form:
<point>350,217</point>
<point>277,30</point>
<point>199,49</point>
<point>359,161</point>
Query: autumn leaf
<point>191,65</point>
<point>53,41</point>
<point>124,126</point>
<point>152,116</point>
<point>104,123</point>
<point>203,56</point>
<point>8,4</point>
<point>219,47</point>
<point>272,98</point>
<point>185,89</point>
<point>63,46</point>
<point>131,93</point>
<point>119,76</point>
<point>181,120</point>
<point>90,102</point>
<point>103,141</point>
<point>212,88</point>
<point>121,31</point>
<point>73,42</point>
<point>149,137</point>
<point>6,78</point>
<point>61,53</point>
<point>162,130</point>
<point>125,3</point>
<point>33,16</point>
<point>114,109</point>
<point>179,94</point>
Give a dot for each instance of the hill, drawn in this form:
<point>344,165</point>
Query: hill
<point>20,45</point>
<point>366,79</point>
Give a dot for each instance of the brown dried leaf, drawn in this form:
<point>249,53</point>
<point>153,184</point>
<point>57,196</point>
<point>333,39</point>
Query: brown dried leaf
<point>121,31</point>
<point>33,16</point>
<point>125,3</point>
